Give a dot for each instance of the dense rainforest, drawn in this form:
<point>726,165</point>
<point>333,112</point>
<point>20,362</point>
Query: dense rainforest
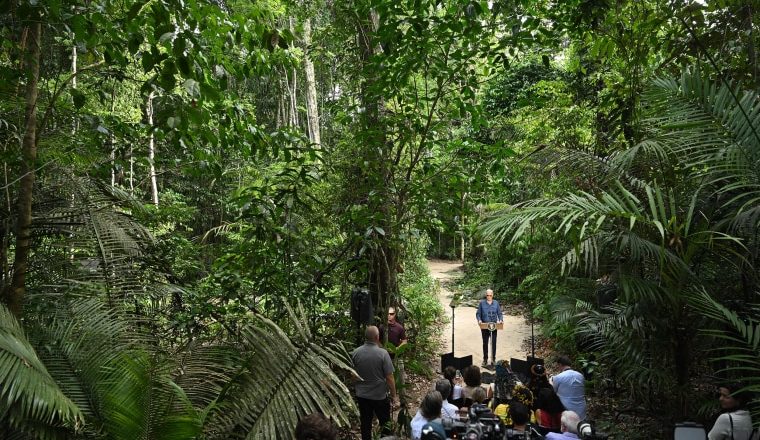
<point>192,190</point>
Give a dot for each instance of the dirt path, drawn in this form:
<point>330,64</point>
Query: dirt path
<point>467,339</point>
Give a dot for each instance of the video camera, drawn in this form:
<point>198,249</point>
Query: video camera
<point>587,431</point>
<point>481,424</point>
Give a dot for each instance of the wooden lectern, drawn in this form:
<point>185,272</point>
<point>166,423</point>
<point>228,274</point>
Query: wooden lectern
<point>491,326</point>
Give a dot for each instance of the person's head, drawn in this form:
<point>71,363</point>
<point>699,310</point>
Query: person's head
<point>443,386</point>
<point>504,382</point>
<point>522,394</point>
<point>569,421</point>
<point>471,376</point>
<point>431,405</point>
<point>450,373</point>
<point>489,294</point>
<point>519,413</point>
<point>479,395</point>
<point>733,397</point>
<point>372,334</point>
<point>391,315</point>
<point>316,426</point>
<point>564,361</point>
<point>502,366</point>
<point>548,400</point>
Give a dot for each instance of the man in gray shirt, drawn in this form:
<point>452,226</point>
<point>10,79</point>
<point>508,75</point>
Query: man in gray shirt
<point>375,369</point>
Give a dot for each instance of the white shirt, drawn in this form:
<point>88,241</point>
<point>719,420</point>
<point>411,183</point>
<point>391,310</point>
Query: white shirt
<point>449,410</point>
<point>742,426</point>
<point>457,394</point>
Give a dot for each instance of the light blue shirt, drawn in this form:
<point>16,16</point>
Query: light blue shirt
<point>489,312</point>
<point>569,386</point>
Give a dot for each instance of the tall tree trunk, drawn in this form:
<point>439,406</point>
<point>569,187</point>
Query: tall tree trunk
<point>312,111</point>
<point>112,139</point>
<point>14,293</point>
<point>293,88</point>
<point>74,60</point>
<point>131,170</point>
<point>376,175</point>
<point>151,150</point>
<point>281,113</point>
<point>462,205</point>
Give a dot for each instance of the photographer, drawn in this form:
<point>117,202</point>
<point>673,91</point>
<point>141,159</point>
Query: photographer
<point>569,427</point>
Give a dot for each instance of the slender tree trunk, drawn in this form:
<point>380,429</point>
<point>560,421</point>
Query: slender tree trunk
<point>377,178</point>
<point>294,88</point>
<point>281,113</point>
<point>312,109</point>
<point>14,293</point>
<point>131,170</point>
<point>112,139</point>
<point>74,60</point>
<point>461,252</point>
<point>151,150</point>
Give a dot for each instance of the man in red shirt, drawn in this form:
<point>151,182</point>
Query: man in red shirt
<point>396,332</point>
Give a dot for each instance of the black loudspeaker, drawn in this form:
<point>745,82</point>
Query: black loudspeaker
<point>361,306</point>
<point>460,363</point>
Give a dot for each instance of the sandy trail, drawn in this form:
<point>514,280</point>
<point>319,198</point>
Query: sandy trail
<point>467,339</point>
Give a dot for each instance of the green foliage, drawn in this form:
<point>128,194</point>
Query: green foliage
<point>667,236</point>
<point>419,293</point>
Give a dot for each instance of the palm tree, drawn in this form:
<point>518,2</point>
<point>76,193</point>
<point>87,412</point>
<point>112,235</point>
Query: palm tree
<point>86,362</point>
<point>668,224</point>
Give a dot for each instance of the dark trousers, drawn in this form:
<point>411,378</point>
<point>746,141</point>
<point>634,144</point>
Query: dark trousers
<point>485,333</point>
<point>369,408</point>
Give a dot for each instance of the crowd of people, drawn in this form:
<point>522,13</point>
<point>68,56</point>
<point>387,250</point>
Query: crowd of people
<point>552,407</point>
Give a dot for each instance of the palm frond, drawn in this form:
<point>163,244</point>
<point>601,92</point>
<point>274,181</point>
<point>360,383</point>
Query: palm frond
<point>713,129</point>
<point>285,379</point>
<point>29,394</point>
<point>740,347</point>
<point>94,239</point>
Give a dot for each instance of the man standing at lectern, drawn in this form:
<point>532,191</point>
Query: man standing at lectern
<point>489,311</point>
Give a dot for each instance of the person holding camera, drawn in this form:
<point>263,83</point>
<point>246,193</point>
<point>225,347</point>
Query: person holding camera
<point>569,428</point>
<point>735,423</point>
<point>375,369</point>
<point>488,311</point>
<point>454,377</point>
